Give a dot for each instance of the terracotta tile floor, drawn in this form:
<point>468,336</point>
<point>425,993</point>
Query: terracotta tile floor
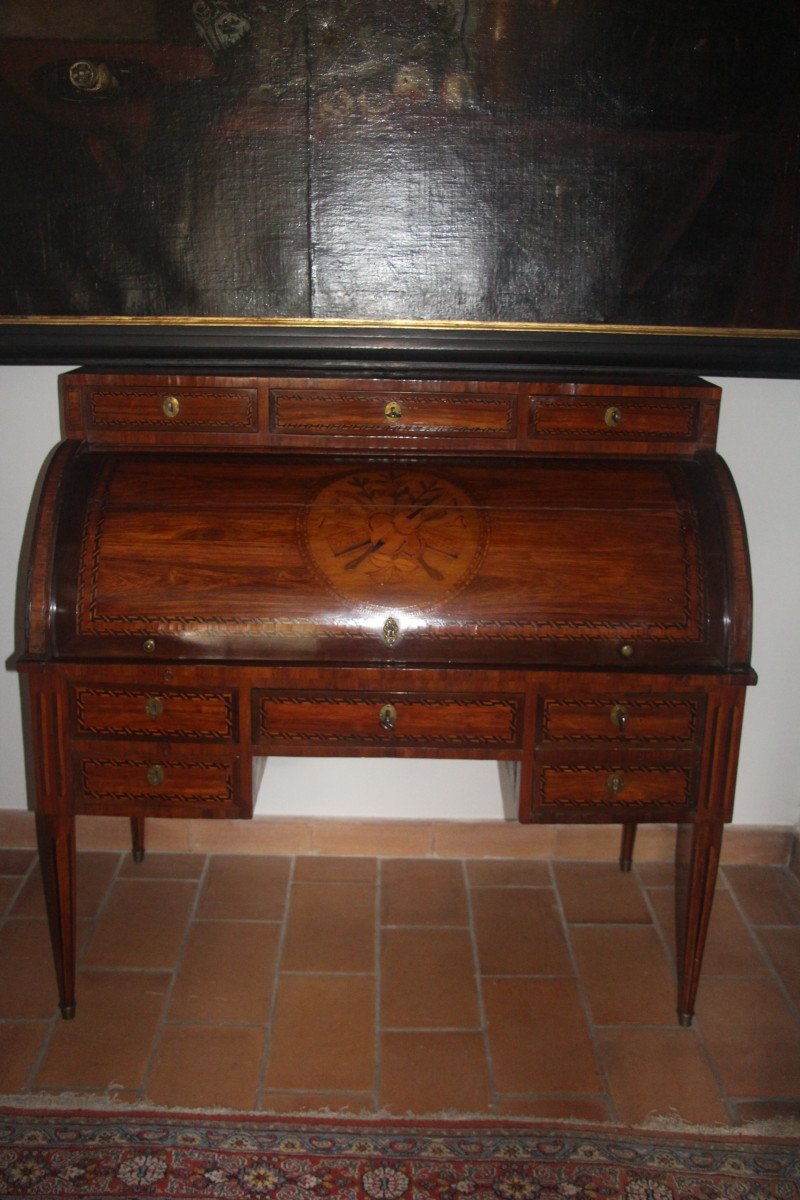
<point>405,986</point>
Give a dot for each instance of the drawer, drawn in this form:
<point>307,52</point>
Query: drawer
<point>581,789</point>
<point>636,721</point>
<point>168,713</point>
<point>354,412</point>
<point>613,419</point>
<point>357,719</point>
<point>150,783</point>
<point>164,409</point>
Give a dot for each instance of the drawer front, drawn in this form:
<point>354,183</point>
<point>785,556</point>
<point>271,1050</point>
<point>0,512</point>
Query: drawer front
<point>357,719</point>
<point>182,410</point>
<point>578,789</point>
<point>150,783</point>
<point>351,412</point>
<point>613,419</point>
<point>638,721</point>
<point>171,714</point>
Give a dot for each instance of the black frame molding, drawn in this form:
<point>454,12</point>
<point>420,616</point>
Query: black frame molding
<point>394,347</point>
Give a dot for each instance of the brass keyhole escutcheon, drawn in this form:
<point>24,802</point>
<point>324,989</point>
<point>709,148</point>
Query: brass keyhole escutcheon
<point>387,717</point>
<point>87,76</point>
<point>615,783</point>
<point>393,411</point>
<point>154,707</point>
<point>619,716</point>
<point>612,417</point>
<point>155,775</point>
<point>171,406</point>
<point>391,631</point>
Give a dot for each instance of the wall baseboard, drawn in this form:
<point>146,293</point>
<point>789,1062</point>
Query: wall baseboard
<point>754,844</point>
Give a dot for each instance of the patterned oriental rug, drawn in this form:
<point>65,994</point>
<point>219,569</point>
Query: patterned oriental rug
<point>132,1154</point>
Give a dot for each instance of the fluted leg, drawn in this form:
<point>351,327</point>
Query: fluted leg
<point>626,846</point>
<point>56,838</point>
<point>137,838</point>
<point>697,861</point>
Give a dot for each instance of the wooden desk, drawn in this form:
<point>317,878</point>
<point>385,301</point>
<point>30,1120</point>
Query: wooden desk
<point>539,571</point>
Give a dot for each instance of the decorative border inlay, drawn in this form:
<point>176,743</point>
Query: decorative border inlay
<point>639,706</point>
<point>688,432</point>
<point>581,801</point>
<point>244,416</point>
<point>154,792</point>
<point>151,731</point>
<point>511,706</point>
<point>375,422</point>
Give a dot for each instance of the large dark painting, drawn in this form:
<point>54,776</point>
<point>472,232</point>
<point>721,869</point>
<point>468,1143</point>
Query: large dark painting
<point>533,166</point>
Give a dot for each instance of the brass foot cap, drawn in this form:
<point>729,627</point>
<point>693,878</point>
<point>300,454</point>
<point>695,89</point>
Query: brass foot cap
<point>67,1011</point>
<point>138,855</point>
<point>685,1019</point>
<point>625,864</point>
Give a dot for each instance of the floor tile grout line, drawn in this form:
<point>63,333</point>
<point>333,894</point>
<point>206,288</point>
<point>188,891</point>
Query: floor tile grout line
<point>80,952</point>
<point>774,974</point>
<point>269,1022</point>
<point>696,1028</point>
<point>162,1023</point>
<point>583,998</point>
<point>482,1012</point>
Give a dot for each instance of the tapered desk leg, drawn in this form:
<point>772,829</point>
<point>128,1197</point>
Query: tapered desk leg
<point>697,861</point>
<point>626,846</point>
<point>137,838</point>
<point>56,838</point>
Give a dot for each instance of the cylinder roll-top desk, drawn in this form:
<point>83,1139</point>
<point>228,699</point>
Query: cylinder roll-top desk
<point>549,573</point>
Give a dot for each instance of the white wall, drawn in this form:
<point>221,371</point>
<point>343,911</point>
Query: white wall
<point>759,437</point>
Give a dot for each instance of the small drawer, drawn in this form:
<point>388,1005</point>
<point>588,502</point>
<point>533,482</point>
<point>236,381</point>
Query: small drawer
<point>637,721</point>
<point>151,783</point>
<point>357,719</point>
<point>352,412</point>
<point>170,411</point>
<point>613,419</point>
<point>157,713</point>
<point>575,789</point>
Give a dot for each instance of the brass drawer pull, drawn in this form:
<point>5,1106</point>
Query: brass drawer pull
<point>619,717</point>
<point>155,775</point>
<point>615,783</point>
<point>387,717</point>
<point>612,417</point>
<point>393,411</point>
<point>149,645</point>
<point>154,707</point>
<point>171,406</point>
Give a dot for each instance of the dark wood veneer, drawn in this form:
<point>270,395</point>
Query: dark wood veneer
<point>541,570</point>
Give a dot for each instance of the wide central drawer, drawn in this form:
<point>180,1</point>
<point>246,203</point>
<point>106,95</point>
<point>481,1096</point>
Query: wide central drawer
<point>294,719</point>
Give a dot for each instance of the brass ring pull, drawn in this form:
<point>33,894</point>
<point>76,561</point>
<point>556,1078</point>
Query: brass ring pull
<point>171,406</point>
<point>154,707</point>
<point>615,783</point>
<point>387,717</point>
<point>155,775</point>
<point>393,411</point>
<point>612,417</point>
<point>619,717</point>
